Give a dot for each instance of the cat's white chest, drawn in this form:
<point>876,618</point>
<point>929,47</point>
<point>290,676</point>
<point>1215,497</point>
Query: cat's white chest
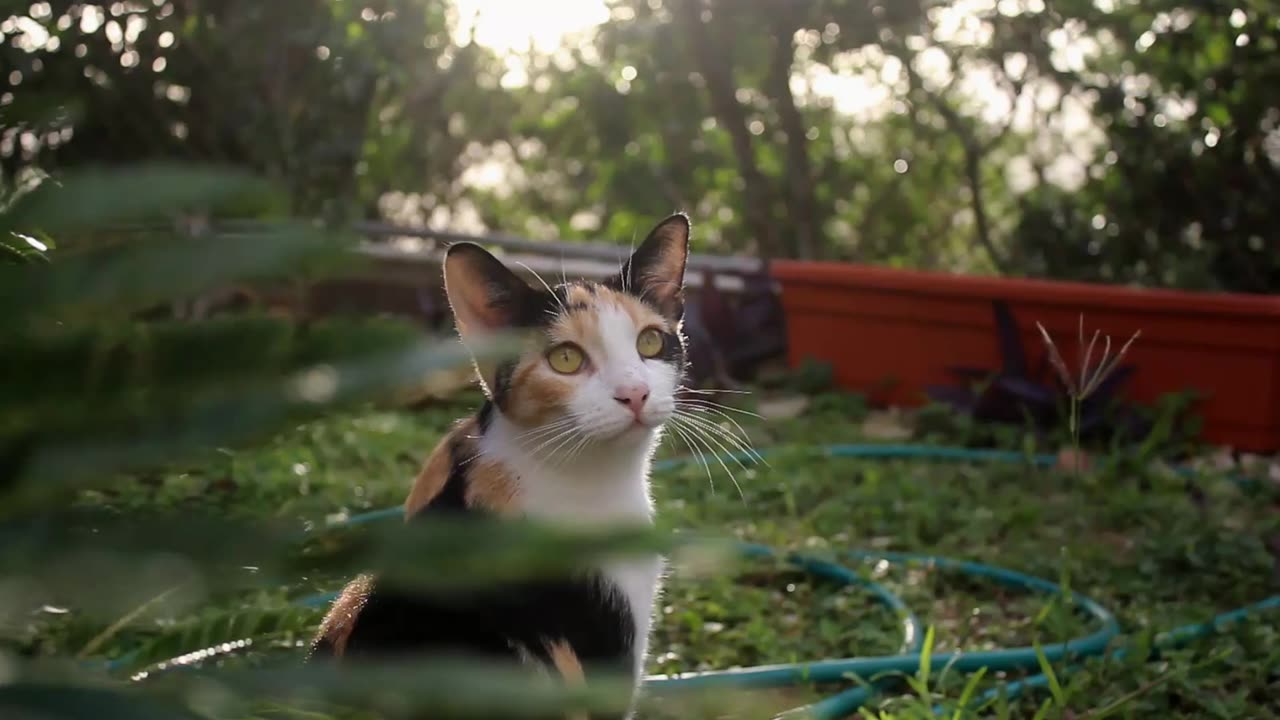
<point>618,499</point>
<point>610,490</point>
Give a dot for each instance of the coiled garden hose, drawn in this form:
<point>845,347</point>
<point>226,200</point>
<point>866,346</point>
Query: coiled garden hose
<point>909,659</point>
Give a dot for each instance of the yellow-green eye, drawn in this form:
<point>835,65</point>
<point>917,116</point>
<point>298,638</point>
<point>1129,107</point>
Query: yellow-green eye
<point>649,343</point>
<point>566,358</point>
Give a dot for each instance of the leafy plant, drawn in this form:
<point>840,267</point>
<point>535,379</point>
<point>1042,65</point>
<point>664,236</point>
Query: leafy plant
<point>99,392</point>
<point>812,376</point>
<point>1041,398</point>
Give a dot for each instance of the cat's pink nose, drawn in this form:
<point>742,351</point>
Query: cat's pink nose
<point>633,396</point>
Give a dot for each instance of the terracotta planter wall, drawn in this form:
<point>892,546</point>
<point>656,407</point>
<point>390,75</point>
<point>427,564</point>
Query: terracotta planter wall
<point>891,333</point>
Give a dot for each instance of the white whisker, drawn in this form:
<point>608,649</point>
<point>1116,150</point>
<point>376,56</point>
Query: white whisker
<point>686,388</point>
<point>742,443</point>
<point>577,449</point>
<point>544,429</point>
<point>545,285</point>
<point>697,453</point>
<point>566,432</point>
<point>570,436</point>
<point>742,439</point>
<point>712,404</point>
<point>711,430</point>
<point>543,440</point>
<point>706,442</point>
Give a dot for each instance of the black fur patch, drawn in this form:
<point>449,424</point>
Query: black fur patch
<point>493,622</point>
<point>484,417</point>
<point>502,383</point>
<point>619,283</point>
<point>538,312</point>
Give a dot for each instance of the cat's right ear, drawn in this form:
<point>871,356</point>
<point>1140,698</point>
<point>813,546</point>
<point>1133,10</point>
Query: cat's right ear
<point>485,296</point>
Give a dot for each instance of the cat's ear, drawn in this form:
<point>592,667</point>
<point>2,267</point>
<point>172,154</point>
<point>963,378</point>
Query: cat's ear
<point>486,297</point>
<point>655,271</point>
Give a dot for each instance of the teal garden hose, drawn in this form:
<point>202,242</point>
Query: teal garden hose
<point>909,659</point>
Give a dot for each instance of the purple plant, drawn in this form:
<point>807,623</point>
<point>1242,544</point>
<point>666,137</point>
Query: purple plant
<point>1046,396</point>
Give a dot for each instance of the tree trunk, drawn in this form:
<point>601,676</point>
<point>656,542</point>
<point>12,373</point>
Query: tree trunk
<point>801,197</point>
<point>712,61</point>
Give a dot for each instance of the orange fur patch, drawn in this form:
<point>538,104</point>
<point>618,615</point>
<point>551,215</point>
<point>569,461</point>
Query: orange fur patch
<point>566,661</point>
<point>486,370</point>
<point>579,294</point>
<point>641,314</point>
<point>490,487</point>
<point>570,668</point>
<point>578,326</point>
<point>537,394</point>
<point>435,472</point>
<point>341,620</point>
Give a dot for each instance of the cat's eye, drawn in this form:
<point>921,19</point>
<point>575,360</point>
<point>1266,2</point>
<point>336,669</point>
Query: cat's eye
<point>566,358</point>
<point>649,343</point>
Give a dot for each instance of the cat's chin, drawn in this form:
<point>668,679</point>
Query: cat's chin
<point>634,433</point>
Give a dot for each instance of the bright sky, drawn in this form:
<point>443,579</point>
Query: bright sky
<point>512,24</point>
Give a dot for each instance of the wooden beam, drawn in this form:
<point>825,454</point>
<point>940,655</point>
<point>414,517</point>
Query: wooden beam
<point>423,267</point>
<point>604,252</point>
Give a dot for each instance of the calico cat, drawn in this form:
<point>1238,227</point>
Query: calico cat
<point>565,434</point>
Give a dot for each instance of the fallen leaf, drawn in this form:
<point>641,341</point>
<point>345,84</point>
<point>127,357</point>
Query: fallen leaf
<point>783,407</point>
<point>889,424</point>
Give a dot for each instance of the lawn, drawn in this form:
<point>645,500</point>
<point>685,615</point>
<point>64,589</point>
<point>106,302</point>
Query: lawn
<point>1155,554</point>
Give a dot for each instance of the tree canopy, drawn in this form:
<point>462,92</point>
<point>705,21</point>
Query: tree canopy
<point>1118,141</point>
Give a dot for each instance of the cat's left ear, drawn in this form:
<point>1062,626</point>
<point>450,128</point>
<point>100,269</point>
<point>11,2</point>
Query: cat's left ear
<point>655,271</point>
<point>485,296</point>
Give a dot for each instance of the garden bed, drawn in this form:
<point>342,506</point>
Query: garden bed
<point>893,333</point>
<point>1154,556</point>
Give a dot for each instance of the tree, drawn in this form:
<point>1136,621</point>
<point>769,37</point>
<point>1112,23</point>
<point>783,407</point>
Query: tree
<point>692,103</point>
<point>336,101</point>
<point>1180,192</point>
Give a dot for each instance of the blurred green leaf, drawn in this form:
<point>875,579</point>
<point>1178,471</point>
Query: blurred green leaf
<point>136,370</point>
<point>92,199</point>
<point>256,623</point>
<point>95,284</point>
<point>153,407</point>
<point>36,701</point>
<point>442,553</point>
<point>1219,113</point>
<point>453,687</point>
<point>22,249</point>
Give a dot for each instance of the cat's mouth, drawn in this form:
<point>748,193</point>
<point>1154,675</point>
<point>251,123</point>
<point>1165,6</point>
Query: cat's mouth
<point>643,425</point>
<point>635,428</point>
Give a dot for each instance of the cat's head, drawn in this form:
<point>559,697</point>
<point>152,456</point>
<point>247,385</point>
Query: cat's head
<point>601,359</point>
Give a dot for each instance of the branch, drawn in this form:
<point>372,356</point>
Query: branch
<point>974,152</point>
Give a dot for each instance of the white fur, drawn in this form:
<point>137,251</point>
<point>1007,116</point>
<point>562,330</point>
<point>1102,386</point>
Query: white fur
<point>607,480</point>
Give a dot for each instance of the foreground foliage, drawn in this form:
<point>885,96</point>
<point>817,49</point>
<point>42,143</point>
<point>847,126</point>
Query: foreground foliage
<point>1151,555</point>
<point>106,392</point>
<point>166,489</point>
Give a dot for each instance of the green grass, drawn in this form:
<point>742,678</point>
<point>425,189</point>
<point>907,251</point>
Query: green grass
<point>1149,554</point>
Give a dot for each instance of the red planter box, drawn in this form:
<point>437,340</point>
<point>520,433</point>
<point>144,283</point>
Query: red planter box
<point>891,333</point>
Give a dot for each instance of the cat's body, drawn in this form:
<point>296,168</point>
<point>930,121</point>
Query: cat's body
<point>565,435</point>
